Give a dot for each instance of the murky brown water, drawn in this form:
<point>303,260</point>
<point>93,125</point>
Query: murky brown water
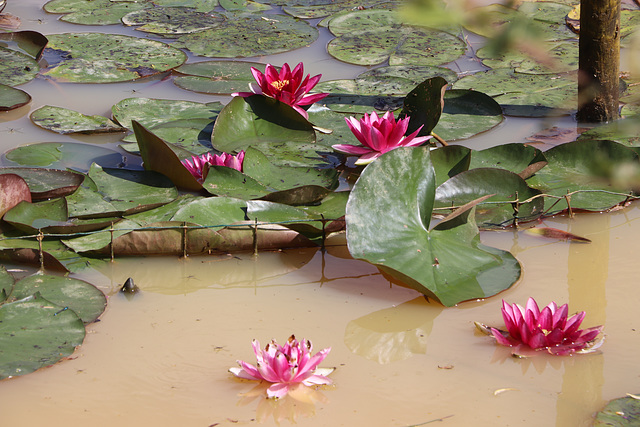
<point>161,357</point>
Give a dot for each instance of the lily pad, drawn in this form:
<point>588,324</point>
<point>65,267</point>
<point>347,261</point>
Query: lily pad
<point>192,135</point>
<point>423,105</point>
<point>448,161</point>
<point>87,301</point>
<point>171,20</point>
<point>625,131</point>
<point>528,95</point>
<point>622,412</point>
<point>513,157</point>
<point>30,42</point>
<point>314,10</point>
<point>62,155</point>
<point>212,211</point>
<point>247,35</point>
<point>12,98</point>
<point>198,5</point>
<point>47,183</point>
<point>107,58</point>
<point>93,12</point>
<point>16,68</point>
<point>64,121</point>
<point>467,113</point>
<point>35,333</point>
<point>14,190</point>
<point>216,77</point>
<point>400,45</point>
<point>151,112</point>
<point>388,225</point>
<point>558,57</point>
<point>364,19</point>
<point>415,73</point>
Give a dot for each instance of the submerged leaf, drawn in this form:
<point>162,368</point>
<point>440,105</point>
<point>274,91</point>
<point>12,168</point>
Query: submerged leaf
<point>554,233</point>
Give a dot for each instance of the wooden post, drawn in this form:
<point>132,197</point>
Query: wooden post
<point>599,64</point>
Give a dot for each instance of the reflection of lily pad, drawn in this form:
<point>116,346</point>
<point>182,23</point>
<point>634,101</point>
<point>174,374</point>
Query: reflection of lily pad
<point>529,95</point>
<point>400,45</point>
<point>62,120</point>
<point>242,36</point>
<point>16,68</point>
<point>107,58</point>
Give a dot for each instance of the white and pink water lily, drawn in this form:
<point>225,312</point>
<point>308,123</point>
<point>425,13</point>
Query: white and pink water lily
<point>379,135</point>
<point>548,329</point>
<point>285,366</point>
<point>286,86</point>
<point>199,165</point>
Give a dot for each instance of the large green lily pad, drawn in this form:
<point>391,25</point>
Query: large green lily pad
<point>528,95</point>
<point>93,12</point>
<point>16,68</point>
<point>62,155</point>
<point>314,9</point>
<point>388,217</point>
<point>560,57</point>
<point>87,301</point>
<point>248,35</point>
<point>198,5</point>
<point>622,412</point>
<point>35,333</point>
<point>107,58</point>
<point>64,121</point>
<point>171,20</point>
<point>12,98</point>
<point>625,131</point>
<point>151,112</point>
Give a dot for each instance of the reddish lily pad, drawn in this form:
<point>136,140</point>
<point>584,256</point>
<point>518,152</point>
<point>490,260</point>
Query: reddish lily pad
<point>13,190</point>
<point>47,183</point>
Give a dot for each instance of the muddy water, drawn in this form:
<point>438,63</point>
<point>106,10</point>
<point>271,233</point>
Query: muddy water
<point>161,357</point>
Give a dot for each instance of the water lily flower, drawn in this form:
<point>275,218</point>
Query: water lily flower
<point>199,165</point>
<point>378,135</point>
<point>548,329</point>
<point>286,86</point>
<point>285,366</point>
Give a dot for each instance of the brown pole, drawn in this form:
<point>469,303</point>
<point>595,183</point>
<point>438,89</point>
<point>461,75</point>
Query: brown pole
<point>599,64</point>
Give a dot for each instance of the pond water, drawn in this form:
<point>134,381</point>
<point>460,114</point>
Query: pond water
<point>161,357</point>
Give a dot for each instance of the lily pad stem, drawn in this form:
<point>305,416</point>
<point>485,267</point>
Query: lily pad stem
<point>439,139</point>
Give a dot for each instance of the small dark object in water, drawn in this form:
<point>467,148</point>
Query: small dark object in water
<point>129,287</point>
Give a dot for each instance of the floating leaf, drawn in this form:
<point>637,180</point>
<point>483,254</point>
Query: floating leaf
<point>150,112</point>
<point>87,301</point>
<point>29,42</point>
<point>513,157</point>
<point>555,57</point>
<point>35,333</point>
<point>247,35</point>
<point>216,77</point>
<point>212,211</point>
<point>62,155</point>
<point>93,12</point>
<point>171,20</point>
<point>64,121</point>
<point>622,412</point>
<point>13,190</point>
<point>16,68</point>
<point>365,19</point>
<point>388,215</point>
<point>198,5</point>
<point>423,105</point>
<point>311,10</point>
<point>554,233</point>
<point>414,73</point>
<point>449,161</point>
<point>624,131</point>
<point>467,113</point>
<point>107,58</point>
<point>47,183</point>
<point>12,98</point>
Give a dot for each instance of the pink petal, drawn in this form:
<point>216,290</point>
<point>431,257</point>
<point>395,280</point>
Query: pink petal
<point>355,150</point>
<point>368,158</point>
<point>317,380</point>
<point>278,390</point>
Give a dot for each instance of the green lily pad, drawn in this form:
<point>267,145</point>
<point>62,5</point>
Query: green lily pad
<point>6,283</point>
<point>625,131</point>
<point>340,132</point>
<point>198,5</point>
<point>400,45</point>
<point>359,20</point>
<point>35,333</point>
<point>388,216</point>
<point>87,301</point>
<point>246,121</point>
<point>467,113</point>
<point>314,10</point>
<point>151,112</point>
<point>64,121</point>
<point>16,68</point>
<point>12,98</point>
<point>162,213</point>
<point>528,95</point>
<point>248,35</point>
<point>622,412</point>
<point>415,73</point>
<point>171,20</point>
<point>47,183</point>
<point>423,105</point>
<point>498,211</point>
<point>216,77</point>
<point>62,155</point>
<point>243,6</point>
<point>588,166</point>
<point>93,12</point>
<point>107,58</point>
<point>192,135</point>
<point>212,211</point>
<point>562,57</point>
<point>450,160</point>
<point>513,157</point>
<point>30,42</point>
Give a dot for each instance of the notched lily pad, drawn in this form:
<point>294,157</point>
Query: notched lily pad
<point>107,58</point>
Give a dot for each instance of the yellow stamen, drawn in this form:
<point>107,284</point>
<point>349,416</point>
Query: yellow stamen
<point>279,84</point>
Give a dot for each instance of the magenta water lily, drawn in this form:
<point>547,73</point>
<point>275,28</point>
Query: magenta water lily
<point>379,135</point>
<point>199,165</point>
<point>287,86</point>
<point>285,366</point>
<point>548,329</point>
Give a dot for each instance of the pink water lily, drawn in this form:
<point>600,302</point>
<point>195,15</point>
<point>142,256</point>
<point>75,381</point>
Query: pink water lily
<point>285,366</point>
<point>548,329</point>
<point>199,165</point>
<point>379,135</point>
<point>287,86</point>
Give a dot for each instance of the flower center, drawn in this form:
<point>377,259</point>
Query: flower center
<point>280,84</point>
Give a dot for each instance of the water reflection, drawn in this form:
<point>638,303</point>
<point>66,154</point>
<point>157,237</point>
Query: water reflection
<point>393,334</point>
<point>300,402</point>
